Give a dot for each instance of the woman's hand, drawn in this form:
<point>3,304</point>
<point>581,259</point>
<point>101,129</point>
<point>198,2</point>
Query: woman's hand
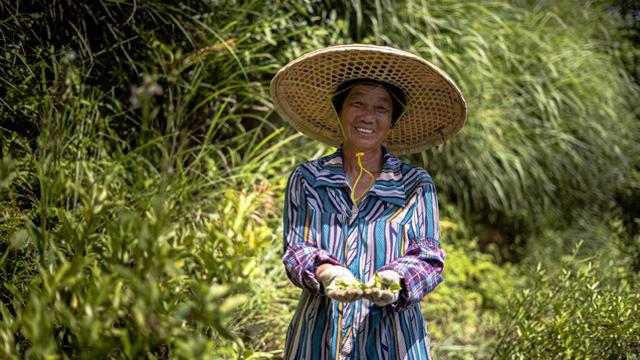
<point>387,291</point>
<point>339,283</point>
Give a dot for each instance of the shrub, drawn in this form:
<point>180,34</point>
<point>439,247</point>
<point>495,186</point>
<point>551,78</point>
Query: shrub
<point>587,310</point>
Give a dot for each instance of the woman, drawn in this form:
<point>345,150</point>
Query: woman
<point>361,227</point>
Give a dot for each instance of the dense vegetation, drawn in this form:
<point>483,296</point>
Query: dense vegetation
<point>142,173</point>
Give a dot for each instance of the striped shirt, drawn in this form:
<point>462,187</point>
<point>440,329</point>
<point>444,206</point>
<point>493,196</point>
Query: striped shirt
<point>394,227</point>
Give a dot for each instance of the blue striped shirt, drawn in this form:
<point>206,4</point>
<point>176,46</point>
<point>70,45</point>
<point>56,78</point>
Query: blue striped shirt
<point>394,227</point>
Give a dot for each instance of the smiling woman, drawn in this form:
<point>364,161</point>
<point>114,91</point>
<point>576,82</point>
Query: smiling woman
<point>365,252</point>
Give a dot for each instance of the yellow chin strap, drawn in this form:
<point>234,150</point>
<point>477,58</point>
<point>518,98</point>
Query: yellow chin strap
<point>359,154</point>
<point>356,199</point>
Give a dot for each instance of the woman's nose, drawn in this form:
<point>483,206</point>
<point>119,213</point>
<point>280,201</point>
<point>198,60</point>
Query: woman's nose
<point>368,115</point>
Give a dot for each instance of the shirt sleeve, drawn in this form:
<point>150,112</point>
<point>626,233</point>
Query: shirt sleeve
<point>301,255</point>
<point>421,266</point>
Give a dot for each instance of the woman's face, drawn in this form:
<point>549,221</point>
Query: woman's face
<point>366,116</point>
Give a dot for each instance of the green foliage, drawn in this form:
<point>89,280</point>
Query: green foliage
<point>127,220</point>
<point>600,234</point>
<point>590,309</point>
<point>551,115</point>
<point>142,170</point>
<point>462,312</point>
<point>119,262</point>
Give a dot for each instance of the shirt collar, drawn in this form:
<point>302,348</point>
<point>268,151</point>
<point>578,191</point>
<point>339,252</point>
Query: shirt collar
<point>388,187</point>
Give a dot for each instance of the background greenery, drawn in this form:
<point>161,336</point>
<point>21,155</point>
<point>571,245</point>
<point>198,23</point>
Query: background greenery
<point>142,173</point>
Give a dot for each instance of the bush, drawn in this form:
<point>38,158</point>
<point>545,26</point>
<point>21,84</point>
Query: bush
<point>588,310</point>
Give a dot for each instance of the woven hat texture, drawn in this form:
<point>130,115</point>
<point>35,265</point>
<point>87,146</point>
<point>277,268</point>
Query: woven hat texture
<point>435,109</point>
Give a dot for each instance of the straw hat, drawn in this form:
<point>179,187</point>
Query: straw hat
<point>434,112</point>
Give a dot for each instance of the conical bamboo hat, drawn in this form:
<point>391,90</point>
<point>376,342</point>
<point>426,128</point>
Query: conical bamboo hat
<point>434,111</point>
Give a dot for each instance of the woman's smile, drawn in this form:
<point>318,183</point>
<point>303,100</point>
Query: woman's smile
<point>364,130</point>
<point>366,117</point>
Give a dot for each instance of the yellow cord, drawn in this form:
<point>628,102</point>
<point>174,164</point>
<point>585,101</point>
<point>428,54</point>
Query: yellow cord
<point>359,155</point>
<point>357,199</point>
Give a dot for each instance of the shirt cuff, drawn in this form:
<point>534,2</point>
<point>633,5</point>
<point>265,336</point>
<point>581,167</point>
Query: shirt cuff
<point>420,272</point>
<point>301,264</point>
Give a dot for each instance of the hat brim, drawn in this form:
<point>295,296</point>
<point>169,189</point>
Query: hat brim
<point>435,109</point>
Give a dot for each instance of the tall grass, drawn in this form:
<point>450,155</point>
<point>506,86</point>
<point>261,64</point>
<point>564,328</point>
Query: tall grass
<point>135,216</point>
<point>134,249</point>
<point>551,119</point>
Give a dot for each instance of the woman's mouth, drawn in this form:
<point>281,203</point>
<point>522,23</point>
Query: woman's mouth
<point>364,130</point>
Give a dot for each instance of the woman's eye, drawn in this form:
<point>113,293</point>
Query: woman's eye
<point>382,109</point>
<point>357,103</point>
